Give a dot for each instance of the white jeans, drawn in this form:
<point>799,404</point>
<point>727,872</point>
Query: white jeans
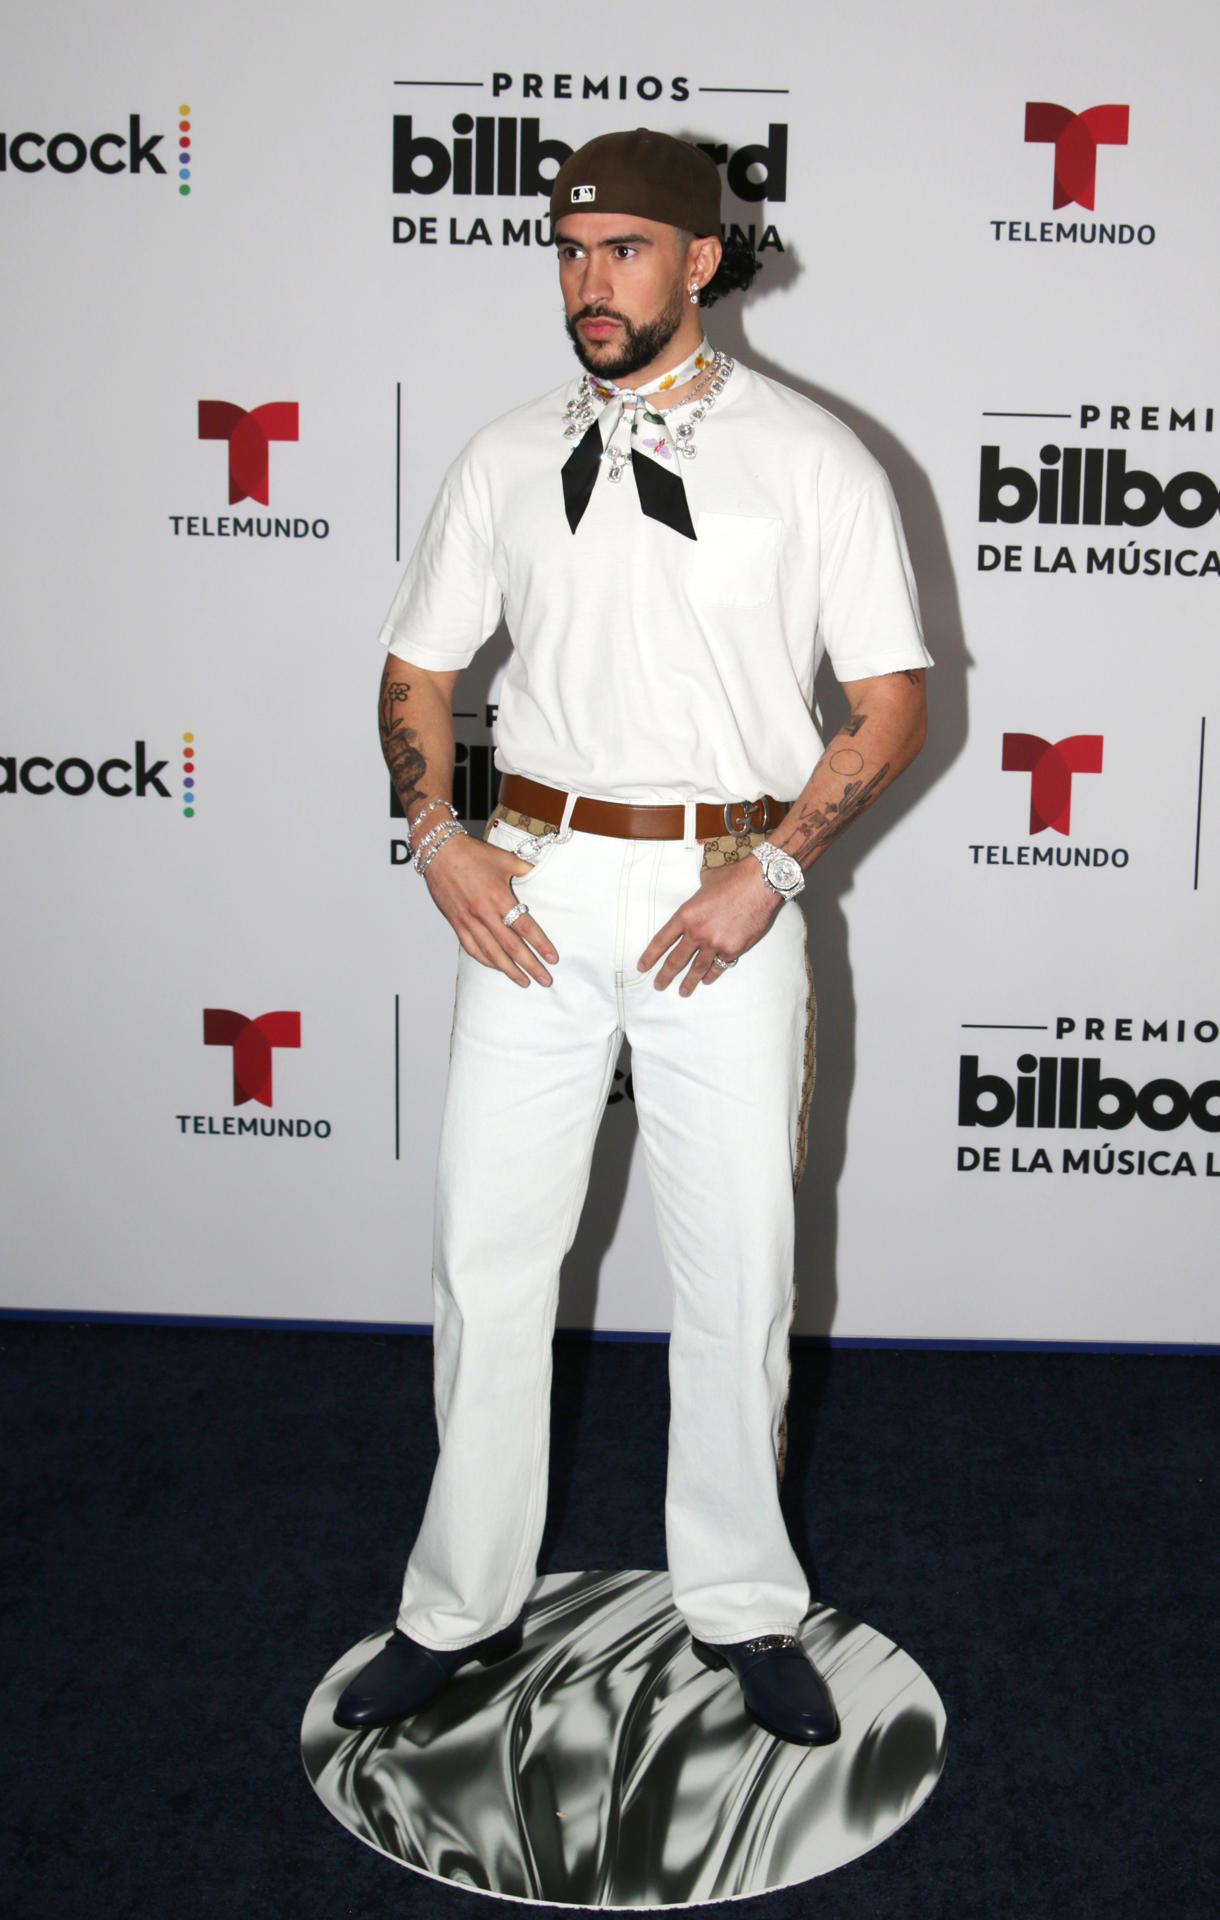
<point>717,1081</point>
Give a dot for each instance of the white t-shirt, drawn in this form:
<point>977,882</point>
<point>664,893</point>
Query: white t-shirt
<point>647,666</point>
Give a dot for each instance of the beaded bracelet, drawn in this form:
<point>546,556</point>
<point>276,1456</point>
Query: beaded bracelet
<point>413,824</point>
<point>429,837</point>
<point>455,827</point>
<point>451,827</point>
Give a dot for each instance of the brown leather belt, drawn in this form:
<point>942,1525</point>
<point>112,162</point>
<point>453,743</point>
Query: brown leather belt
<point>622,820</point>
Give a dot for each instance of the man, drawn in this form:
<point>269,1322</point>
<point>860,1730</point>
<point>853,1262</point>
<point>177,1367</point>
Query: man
<point>637,880</point>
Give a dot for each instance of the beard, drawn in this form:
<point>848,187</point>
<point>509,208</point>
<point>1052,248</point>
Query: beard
<point>641,346</point>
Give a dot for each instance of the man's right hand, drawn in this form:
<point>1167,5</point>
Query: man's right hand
<point>470,882</point>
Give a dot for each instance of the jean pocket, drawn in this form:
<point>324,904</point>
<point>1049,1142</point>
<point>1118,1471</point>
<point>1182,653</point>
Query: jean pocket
<point>533,847</point>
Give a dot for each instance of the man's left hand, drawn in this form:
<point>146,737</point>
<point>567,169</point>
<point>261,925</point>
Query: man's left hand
<point>730,913</point>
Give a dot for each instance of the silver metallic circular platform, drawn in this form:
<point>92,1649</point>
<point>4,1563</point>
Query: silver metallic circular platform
<point>603,1766</point>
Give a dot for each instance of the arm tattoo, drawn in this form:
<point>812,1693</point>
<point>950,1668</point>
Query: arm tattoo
<point>407,766</point>
<point>400,745</point>
<point>393,692</point>
<point>818,826</point>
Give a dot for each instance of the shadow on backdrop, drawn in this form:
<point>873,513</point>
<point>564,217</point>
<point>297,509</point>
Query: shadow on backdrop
<point>834,876</point>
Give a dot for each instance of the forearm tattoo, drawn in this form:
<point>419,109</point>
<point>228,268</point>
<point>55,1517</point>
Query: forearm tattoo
<point>403,754</point>
<point>817,826</point>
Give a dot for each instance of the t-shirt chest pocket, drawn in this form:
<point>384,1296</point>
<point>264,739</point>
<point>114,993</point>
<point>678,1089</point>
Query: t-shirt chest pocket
<point>735,560</point>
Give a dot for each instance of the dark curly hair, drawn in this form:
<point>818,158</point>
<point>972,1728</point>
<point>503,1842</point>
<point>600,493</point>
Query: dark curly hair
<point>738,265</point>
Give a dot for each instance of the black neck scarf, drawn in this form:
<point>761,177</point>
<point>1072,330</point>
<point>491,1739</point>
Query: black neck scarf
<point>659,487</point>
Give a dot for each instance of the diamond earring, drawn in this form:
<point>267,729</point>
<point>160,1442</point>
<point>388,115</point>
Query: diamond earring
<point>694,293</point>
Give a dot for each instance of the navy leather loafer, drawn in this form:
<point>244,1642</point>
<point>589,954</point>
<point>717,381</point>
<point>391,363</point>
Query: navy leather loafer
<point>782,1689</point>
<point>404,1677</point>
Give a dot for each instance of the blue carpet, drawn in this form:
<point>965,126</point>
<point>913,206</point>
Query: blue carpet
<point>198,1521</point>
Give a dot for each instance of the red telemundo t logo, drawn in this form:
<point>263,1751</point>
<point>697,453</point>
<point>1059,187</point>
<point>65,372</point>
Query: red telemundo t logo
<point>1051,765</point>
<point>249,436</point>
<point>252,1042</point>
<point>1075,138</point>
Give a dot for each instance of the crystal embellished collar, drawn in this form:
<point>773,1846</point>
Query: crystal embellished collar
<point>593,419</point>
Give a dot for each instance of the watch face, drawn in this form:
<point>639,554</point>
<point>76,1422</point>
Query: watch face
<point>784,871</point>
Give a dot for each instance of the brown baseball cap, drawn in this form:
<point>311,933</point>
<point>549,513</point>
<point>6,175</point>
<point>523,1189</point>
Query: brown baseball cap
<point>650,175</point>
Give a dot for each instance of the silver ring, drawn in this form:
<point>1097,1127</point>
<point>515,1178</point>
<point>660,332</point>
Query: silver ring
<point>514,913</point>
<point>718,962</point>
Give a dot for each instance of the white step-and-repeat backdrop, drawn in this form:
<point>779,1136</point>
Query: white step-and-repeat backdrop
<point>266,270</point>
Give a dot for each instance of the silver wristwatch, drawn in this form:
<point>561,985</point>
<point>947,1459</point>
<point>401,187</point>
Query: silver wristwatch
<point>781,871</point>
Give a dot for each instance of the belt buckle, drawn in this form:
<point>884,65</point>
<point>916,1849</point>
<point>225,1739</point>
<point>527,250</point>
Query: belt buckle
<point>742,816</point>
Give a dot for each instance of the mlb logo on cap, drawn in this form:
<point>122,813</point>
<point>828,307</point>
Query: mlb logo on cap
<point>580,194</point>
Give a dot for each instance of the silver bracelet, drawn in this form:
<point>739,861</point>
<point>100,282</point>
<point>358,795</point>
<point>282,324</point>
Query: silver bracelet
<point>429,837</point>
<point>451,827</point>
<point>424,811</point>
<point>455,827</point>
